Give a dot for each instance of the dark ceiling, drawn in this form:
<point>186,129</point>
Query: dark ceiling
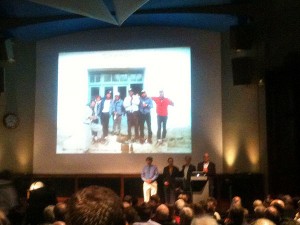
<point>32,20</point>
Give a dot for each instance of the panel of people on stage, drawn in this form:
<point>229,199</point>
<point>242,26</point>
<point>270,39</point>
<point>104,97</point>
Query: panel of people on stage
<point>137,109</point>
<point>175,180</point>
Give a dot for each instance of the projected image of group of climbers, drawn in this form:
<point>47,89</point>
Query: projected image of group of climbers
<point>125,101</point>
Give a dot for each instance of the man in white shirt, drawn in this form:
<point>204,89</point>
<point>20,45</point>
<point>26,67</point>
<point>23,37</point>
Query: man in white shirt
<point>209,169</point>
<point>131,105</point>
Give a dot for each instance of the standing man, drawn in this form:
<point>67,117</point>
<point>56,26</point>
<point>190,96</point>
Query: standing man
<point>170,173</point>
<point>94,121</point>
<point>106,110</point>
<point>186,172</point>
<point>209,169</point>
<point>131,105</point>
<point>145,115</point>
<point>162,104</point>
<point>117,110</point>
<point>149,176</point>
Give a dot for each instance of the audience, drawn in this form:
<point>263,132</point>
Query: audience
<point>95,205</point>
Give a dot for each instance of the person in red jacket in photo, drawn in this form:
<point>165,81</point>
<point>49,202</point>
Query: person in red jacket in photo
<point>162,104</point>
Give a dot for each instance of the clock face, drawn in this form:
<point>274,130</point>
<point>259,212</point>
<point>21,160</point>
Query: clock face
<point>10,120</point>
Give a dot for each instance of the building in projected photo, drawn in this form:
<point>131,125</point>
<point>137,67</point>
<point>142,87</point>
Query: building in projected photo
<point>115,80</point>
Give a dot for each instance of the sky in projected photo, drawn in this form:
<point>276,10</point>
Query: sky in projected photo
<point>83,75</point>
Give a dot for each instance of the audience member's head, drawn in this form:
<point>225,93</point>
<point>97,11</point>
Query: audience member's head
<point>211,204</point>
<point>145,211</point>
<point>95,205</point>
<point>236,202</point>
<point>257,202</point>
<point>162,214</point>
<point>185,197</point>
<point>154,201</point>
<point>59,223</point>
<point>235,216</point>
<point>279,205</point>
<point>131,215</point>
<point>289,207</point>
<point>128,199</point>
<point>199,209</point>
<point>186,215</point>
<point>273,214</point>
<point>178,206</point>
<point>49,214</point>
<point>267,201</point>
<point>263,221</point>
<point>259,211</point>
<point>205,220</point>
<point>60,210</point>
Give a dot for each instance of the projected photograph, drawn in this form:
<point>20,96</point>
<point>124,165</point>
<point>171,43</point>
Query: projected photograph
<point>124,101</point>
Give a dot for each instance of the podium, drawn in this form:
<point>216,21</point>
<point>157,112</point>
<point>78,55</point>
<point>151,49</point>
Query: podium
<point>200,188</point>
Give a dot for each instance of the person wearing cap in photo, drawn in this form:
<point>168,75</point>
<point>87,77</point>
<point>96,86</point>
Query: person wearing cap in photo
<point>131,105</point>
<point>117,110</point>
<point>162,104</point>
<point>105,110</point>
<point>145,116</point>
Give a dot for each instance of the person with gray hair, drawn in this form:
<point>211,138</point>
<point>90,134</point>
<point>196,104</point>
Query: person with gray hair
<point>186,215</point>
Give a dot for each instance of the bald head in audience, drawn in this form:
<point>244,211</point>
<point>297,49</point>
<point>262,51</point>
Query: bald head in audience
<point>256,203</point>
<point>205,220</point>
<point>186,215</point>
<point>263,221</point>
<point>162,214</point>
<point>273,214</point>
<point>59,223</point>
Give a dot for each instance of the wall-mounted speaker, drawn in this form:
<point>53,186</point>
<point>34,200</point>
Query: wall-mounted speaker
<point>242,70</point>
<point>241,36</point>
<point>6,50</point>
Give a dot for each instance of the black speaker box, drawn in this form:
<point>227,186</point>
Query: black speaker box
<point>242,70</point>
<point>6,50</point>
<point>241,37</point>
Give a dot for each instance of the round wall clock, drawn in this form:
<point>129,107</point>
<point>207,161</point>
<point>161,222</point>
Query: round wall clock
<point>11,120</point>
